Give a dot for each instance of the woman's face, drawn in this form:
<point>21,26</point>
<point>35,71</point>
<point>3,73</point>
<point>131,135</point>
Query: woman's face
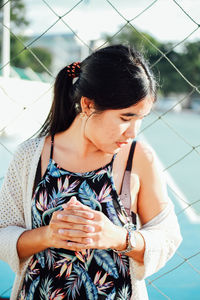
<point>109,130</point>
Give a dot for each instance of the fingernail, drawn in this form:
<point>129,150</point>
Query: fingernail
<point>90,215</point>
<point>88,241</point>
<point>90,228</point>
<point>59,216</point>
<point>73,199</point>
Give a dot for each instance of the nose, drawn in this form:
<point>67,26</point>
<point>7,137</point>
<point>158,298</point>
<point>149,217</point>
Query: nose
<point>133,129</point>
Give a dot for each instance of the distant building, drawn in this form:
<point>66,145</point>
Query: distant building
<point>65,48</point>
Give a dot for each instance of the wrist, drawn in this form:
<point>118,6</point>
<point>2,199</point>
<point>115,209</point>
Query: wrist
<point>130,239</point>
<point>121,243</point>
<point>44,239</point>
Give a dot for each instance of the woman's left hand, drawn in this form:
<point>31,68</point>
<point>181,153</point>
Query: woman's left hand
<point>103,233</point>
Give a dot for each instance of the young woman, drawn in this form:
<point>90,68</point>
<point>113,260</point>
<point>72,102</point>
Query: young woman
<point>70,198</point>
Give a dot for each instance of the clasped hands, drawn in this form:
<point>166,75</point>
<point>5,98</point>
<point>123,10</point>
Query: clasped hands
<point>78,227</point>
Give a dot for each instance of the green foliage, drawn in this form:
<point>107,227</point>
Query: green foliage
<point>187,61</point>
<point>191,62</point>
<point>17,13</point>
<point>23,58</point>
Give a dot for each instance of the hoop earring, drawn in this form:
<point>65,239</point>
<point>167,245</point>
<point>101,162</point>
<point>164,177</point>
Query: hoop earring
<point>82,115</point>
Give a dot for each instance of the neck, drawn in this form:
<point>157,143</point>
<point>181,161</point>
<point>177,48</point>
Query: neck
<point>75,140</point>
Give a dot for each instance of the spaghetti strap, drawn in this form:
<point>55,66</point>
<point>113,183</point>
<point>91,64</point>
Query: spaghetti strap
<point>52,144</point>
<point>130,157</point>
<point>112,160</point>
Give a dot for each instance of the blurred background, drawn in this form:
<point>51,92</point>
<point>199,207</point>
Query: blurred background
<point>39,37</point>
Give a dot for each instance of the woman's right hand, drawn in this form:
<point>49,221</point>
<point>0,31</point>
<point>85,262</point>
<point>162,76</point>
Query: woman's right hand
<point>81,226</point>
<point>36,240</point>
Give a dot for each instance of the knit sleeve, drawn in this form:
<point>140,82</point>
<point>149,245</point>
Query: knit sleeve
<point>12,221</point>
<point>162,238</point>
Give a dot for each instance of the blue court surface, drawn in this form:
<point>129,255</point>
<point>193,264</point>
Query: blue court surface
<point>172,138</point>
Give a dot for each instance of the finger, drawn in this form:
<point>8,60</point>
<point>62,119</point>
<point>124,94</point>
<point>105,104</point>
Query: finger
<point>73,201</point>
<point>73,226</point>
<point>75,235</point>
<point>77,246</point>
<point>68,245</point>
<point>73,216</point>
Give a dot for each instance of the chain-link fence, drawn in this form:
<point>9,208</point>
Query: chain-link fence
<point>179,150</point>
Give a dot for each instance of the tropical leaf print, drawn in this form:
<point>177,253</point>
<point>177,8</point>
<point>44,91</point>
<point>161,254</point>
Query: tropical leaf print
<point>123,218</point>
<point>73,285</point>
<point>65,265</point>
<point>56,295</point>
<point>65,256</point>
<point>101,284</point>
<point>124,293</point>
<point>33,286</point>
<point>80,256</point>
<point>51,255</point>
<point>65,268</point>
<point>44,180</point>
<point>111,296</point>
<point>112,214</point>
<point>104,259</point>
<point>109,171</point>
<point>36,218</point>
<point>22,294</point>
<point>89,256</point>
<point>98,175</point>
<point>45,288</point>
<point>88,196</point>
<point>122,263</point>
<point>70,188</point>
<point>90,288</point>
<point>41,204</point>
<point>69,270</point>
<point>32,271</point>
<point>54,171</point>
<point>64,188</point>
<point>104,195</point>
<point>41,258</point>
<point>56,274</point>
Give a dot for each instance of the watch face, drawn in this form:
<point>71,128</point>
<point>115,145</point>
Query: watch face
<point>132,240</point>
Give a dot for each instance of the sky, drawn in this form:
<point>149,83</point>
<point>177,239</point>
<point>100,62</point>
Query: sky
<point>164,20</point>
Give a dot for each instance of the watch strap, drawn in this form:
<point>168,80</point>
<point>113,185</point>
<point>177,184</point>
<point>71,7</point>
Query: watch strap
<point>129,247</point>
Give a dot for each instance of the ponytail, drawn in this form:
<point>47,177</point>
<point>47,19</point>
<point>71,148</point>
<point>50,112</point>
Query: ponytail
<point>62,112</point>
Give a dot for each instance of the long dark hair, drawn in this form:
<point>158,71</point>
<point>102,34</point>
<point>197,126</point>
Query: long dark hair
<point>114,77</point>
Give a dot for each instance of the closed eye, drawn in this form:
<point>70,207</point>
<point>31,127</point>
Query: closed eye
<point>125,120</point>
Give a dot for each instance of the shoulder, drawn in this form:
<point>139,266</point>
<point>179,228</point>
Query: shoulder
<point>146,162</point>
<point>144,154</point>
<point>153,197</point>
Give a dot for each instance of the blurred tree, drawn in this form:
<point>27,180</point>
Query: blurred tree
<point>21,57</point>
<point>191,62</point>
<point>17,13</point>
<point>169,79</point>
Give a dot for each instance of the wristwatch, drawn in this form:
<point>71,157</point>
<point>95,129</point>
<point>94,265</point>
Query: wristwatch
<point>130,239</point>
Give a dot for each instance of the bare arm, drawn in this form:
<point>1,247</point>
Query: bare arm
<point>152,195</point>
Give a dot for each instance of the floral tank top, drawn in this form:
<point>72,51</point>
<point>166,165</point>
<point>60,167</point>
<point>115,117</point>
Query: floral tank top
<point>91,274</point>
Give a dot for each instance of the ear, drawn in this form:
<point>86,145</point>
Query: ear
<point>87,105</point>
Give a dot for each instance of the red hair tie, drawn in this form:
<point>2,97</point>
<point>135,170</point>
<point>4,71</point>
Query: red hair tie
<point>74,69</point>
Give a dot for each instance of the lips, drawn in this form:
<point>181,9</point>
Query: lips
<point>120,144</point>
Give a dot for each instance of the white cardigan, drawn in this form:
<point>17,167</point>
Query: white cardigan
<point>161,234</point>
